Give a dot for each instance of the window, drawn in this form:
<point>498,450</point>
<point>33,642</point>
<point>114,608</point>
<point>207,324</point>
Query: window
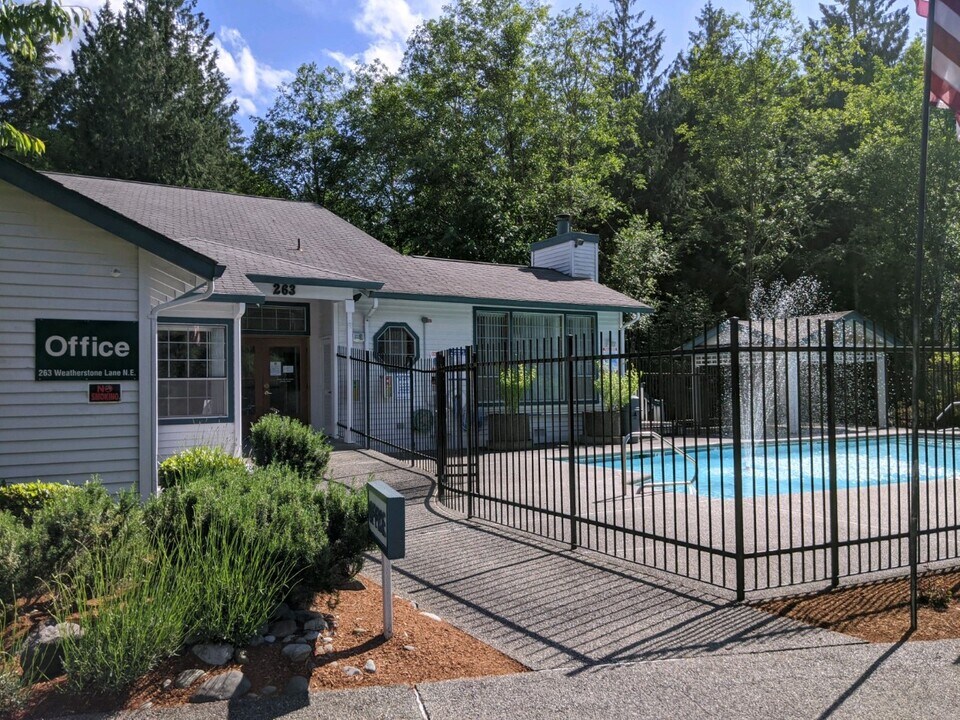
<point>192,373</point>
<point>276,319</point>
<point>502,335</point>
<point>396,344</point>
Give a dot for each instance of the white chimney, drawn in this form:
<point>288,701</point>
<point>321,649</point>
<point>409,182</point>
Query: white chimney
<point>575,254</point>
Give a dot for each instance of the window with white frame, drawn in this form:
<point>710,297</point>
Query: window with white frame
<point>504,335</point>
<point>192,382</point>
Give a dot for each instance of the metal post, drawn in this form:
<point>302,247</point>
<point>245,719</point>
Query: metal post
<point>366,388</point>
<point>832,450</point>
<point>471,418</point>
<point>571,446</point>
<point>441,425</point>
<point>413,439</point>
<point>737,457</point>
<point>387,581</point>
<point>914,545</point>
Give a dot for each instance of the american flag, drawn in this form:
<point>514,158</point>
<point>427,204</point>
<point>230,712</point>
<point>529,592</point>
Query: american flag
<point>945,63</point>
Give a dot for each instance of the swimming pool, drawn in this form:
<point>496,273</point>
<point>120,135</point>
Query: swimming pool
<point>792,467</point>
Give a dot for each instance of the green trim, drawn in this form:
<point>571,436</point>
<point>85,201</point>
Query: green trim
<point>321,282</point>
<point>386,326</point>
<point>565,238</point>
<point>306,333</point>
<point>220,419</point>
<point>530,304</point>
<point>85,208</point>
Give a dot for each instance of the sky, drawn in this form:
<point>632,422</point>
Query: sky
<point>261,44</point>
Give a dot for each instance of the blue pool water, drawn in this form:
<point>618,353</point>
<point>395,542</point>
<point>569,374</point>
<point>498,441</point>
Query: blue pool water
<point>793,467</point>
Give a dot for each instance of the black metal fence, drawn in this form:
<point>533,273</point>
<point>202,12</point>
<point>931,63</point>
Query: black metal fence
<point>754,455</point>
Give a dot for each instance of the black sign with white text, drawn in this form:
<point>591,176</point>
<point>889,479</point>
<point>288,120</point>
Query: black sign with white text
<point>86,350</point>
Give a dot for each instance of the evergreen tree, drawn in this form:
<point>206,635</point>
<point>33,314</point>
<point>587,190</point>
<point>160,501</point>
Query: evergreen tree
<point>28,92</point>
<point>881,28</point>
<point>146,101</point>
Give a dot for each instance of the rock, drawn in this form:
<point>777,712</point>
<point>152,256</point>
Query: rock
<point>370,666</point>
<point>328,648</point>
<point>297,652</point>
<point>326,639</point>
<point>268,691</point>
<point>269,639</point>
<point>250,696</point>
<point>409,648</point>
<point>415,604</point>
<point>293,637</point>
<point>282,628</point>
<point>351,671</point>
<point>240,656</point>
<point>188,677</point>
<point>214,653</point>
<point>283,612</point>
<point>360,631</point>
<point>230,685</point>
<point>297,685</point>
<point>431,616</point>
<point>255,641</point>
<point>166,684</point>
<point>42,653</point>
<point>310,635</point>
<point>146,706</point>
<point>315,624</point>
<point>305,616</point>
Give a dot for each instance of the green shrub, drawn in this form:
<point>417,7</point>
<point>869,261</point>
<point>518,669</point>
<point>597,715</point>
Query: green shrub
<point>24,499</point>
<point>12,690</point>
<point>318,533</point>
<point>69,526</point>
<point>194,463</point>
<point>615,388</point>
<point>232,578</point>
<point>514,382</point>
<point>13,540</point>
<point>279,440</point>
<point>133,610</point>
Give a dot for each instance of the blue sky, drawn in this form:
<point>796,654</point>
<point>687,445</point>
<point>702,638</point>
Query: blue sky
<point>262,43</point>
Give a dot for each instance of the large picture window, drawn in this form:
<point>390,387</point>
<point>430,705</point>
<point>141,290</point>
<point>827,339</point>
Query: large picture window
<point>192,372</point>
<point>503,335</point>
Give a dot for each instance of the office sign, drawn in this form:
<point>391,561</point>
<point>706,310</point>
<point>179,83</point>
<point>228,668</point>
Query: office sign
<point>385,518</point>
<point>86,350</point>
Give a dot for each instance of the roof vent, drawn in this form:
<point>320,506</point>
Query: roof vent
<point>563,224</point>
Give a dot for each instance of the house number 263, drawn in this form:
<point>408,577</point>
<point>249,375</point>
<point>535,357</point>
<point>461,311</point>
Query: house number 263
<point>279,289</point>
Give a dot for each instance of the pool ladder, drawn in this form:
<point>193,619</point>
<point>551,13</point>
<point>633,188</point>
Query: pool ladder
<point>644,479</point>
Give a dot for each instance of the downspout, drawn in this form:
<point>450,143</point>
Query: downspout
<point>624,326</point>
<point>191,296</point>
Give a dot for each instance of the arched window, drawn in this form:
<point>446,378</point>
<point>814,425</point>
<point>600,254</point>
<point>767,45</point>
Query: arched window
<point>396,344</point>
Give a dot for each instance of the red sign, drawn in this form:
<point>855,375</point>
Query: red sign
<point>104,393</point>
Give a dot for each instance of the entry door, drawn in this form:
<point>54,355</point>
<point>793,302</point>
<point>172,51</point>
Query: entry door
<point>275,378</point>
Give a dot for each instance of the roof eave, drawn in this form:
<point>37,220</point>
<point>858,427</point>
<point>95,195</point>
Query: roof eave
<point>503,302</point>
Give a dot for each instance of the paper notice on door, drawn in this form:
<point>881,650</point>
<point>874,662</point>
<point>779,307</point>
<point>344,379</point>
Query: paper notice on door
<point>275,368</point>
<point>288,369</point>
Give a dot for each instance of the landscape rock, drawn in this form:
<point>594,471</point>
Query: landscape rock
<point>269,639</point>
<point>268,691</point>
<point>431,616</point>
<point>166,684</point>
<point>328,648</point>
<point>188,677</point>
<point>315,624</point>
<point>305,616</point>
<point>283,612</point>
<point>297,685</point>
<point>360,631</point>
<point>297,652</point>
<point>370,666</point>
<point>240,656</point>
<point>214,653</point>
<point>256,641</point>
<point>310,635</point>
<point>230,685</point>
<point>282,628</point>
<point>292,637</point>
<point>42,653</point>
<point>409,648</point>
<point>351,671</point>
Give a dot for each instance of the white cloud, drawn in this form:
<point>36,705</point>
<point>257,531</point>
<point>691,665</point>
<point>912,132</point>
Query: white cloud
<point>64,50</point>
<point>388,24</point>
<point>253,83</point>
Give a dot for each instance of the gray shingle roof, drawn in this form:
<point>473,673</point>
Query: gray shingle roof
<point>256,236</point>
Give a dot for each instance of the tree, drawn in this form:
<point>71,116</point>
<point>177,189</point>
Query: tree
<point>26,32</point>
<point>28,91</point>
<point>146,101</point>
<point>880,27</point>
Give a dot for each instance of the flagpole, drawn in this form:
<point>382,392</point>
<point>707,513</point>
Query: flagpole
<point>914,543</point>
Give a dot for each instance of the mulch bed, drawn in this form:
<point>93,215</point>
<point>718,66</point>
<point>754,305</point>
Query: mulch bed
<point>880,611</point>
<point>440,652</point>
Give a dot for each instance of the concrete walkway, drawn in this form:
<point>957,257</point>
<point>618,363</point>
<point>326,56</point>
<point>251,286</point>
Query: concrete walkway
<point>610,640</point>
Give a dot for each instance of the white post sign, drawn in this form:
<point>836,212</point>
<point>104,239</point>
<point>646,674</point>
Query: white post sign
<point>385,518</point>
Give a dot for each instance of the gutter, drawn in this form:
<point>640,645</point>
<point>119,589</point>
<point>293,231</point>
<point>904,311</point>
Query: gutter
<point>366,323</point>
<point>191,296</point>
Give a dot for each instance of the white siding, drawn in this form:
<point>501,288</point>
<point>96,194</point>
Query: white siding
<point>54,265</point>
<point>556,257</point>
<point>569,258</point>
